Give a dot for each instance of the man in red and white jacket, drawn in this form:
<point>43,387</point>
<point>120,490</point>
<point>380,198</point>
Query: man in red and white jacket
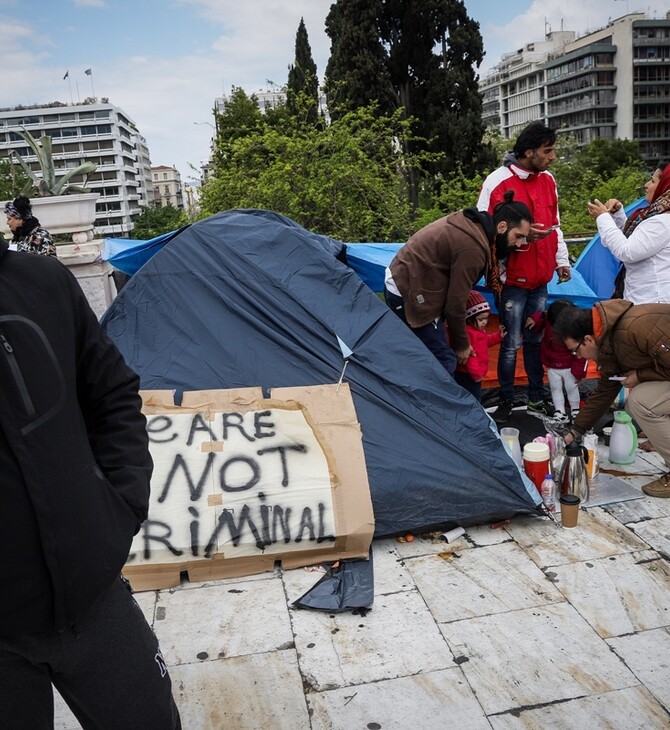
<point>529,269</point>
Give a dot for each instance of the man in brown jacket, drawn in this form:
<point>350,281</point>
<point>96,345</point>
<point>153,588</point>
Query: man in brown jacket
<point>631,341</point>
<point>429,280</point>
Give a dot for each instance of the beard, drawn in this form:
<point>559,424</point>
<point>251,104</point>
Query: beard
<point>502,246</point>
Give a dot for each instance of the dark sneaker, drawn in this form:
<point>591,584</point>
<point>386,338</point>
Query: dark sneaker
<point>540,406</point>
<point>502,412</point>
<point>659,487</point>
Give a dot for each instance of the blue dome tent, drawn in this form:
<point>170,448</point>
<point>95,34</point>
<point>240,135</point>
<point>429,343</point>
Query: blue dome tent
<point>249,298</point>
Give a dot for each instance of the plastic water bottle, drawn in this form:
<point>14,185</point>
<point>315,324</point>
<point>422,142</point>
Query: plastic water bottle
<point>548,492</point>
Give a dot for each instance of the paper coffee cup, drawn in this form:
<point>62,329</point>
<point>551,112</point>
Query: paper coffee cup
<point>569,509</point>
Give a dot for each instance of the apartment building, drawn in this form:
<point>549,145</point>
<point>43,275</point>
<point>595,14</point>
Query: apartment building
<point>96,132</point>
<point>612,83</point>
<point>167,187</point>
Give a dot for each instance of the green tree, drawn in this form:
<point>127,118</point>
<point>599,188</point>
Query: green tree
<point>155,221</point>
<point>12,180</point>
<point>240,118</point>
<point>302,92</point>
<point>603,169</point>
<point>344,180</point>
<point>431,48</point>
<point>357,73</point>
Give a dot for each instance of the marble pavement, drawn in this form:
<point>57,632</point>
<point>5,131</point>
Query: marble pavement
<point>525,626</point>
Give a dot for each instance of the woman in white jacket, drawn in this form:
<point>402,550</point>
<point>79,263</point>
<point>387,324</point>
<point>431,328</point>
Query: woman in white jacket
<point>641,242</point>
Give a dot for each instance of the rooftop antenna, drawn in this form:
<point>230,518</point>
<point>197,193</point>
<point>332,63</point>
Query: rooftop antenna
<point>627,6</point>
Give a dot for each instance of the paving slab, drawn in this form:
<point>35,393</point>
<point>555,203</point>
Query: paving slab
<point>431,701</point>
<point>534,656</point>
<point>656,533</point>
<point>397,638</point>
<point>480,582</point>
<point>620,594</point>
<point>647,655</point>
<point>597,535</point>
<point>639,510</point>
<point>390,571</point>
<point>253,691</point>
<point>633,709</point>
<point>209,623</point>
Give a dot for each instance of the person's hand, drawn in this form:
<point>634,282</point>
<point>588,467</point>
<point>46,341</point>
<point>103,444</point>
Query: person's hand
<point>568,438</point>
<point>530,323</point>
<point>596,208</point>
<point>631,379</point>
<point>538,232</point>
<point>564,273</point>
<point>463,355</point>
<point>502,330</point>
<point>613,205</point>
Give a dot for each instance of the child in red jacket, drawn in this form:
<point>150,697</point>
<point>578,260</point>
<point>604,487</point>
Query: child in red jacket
<point>471,375</point>
<point>563,368</point>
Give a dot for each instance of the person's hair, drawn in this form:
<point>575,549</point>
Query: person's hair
<point>575,323</point>
<point>555,308</point>
<point>533,136</point>
<point>22,205</point>
<point>511,211</point>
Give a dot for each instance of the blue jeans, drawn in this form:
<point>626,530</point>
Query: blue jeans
<point>432,335</point>
<point>516,305</point>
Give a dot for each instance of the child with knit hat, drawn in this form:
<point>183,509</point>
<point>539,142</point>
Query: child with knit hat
<point>472,373</point>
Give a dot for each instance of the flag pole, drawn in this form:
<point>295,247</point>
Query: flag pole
<point>89,72</point>
<point>69,83</point>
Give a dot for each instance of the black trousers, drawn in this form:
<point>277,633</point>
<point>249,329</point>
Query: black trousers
<point>432,335</point>
<point>109,670</point>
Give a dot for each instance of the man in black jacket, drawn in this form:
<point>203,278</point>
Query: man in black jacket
<point>75,472</point>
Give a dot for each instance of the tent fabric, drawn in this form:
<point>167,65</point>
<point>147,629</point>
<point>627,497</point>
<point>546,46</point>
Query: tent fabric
<point>249,298</point>
<point>129,255</point>
<point>369,261</point>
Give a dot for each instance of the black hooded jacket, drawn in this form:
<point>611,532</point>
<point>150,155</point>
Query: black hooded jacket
<point>74,460</point>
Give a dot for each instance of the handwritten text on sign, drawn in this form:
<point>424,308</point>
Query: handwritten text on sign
<point>241,484</point>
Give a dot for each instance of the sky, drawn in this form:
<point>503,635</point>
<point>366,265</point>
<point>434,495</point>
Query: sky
<point>165,61</point>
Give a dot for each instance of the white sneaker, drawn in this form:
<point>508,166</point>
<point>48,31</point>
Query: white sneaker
<point>560,417</point>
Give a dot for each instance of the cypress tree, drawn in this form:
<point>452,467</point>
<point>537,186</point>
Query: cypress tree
<point>302,93</point>
<point>357,72</point>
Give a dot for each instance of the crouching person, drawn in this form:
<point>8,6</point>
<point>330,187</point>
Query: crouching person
<point>633,342</point>
<point>75,472</point>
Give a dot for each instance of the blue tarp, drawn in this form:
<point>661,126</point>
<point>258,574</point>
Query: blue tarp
<point>369,260</point>
<point>130,255</point>
<point>249,298</point>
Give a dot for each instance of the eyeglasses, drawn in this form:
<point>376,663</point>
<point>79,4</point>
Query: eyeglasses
<point>576,350</point>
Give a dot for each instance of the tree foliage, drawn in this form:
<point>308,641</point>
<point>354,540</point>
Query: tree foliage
<point>603,169</point>
<point>427,51</point>
<point>12,180</point>
<point>356,73</point>
<point>155,221</point>
<point>302,92</point>
<point>344,180</point>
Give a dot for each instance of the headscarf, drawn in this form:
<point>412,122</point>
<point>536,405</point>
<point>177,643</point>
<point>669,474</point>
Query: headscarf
<point>660,203</point>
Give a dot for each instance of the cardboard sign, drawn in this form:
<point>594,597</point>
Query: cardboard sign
<point>240,482</point>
